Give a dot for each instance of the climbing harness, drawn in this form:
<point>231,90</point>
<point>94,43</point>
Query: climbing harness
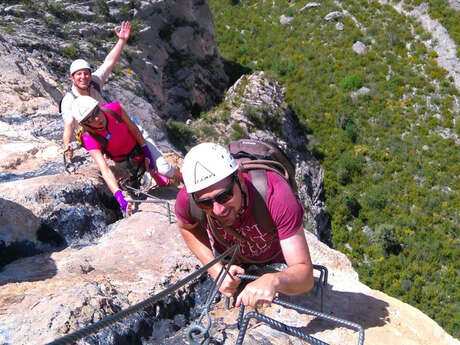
<point>243,322</point>
<point>111,319</point>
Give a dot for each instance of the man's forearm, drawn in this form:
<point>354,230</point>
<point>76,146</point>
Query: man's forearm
<point>67,135</point>
<point>295,280</point>
<point>115,53</point>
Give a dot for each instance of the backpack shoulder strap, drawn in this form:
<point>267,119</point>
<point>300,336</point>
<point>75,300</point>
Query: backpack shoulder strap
<point>60,101</point>
<point>100,139</point>
<point>196,212</point>
<point>260,210</point>
<point>114,114</point>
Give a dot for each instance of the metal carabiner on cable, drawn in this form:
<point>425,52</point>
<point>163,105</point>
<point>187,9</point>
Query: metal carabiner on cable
<point>66,165</point>
<point>196,331</point>
<point>196,328</point>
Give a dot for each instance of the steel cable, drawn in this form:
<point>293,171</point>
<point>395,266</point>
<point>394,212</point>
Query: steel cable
<point>298,308</point>
<point>343,322</point>
<point>277,325</point>
<point>111,319</point>
<point>195,330</point>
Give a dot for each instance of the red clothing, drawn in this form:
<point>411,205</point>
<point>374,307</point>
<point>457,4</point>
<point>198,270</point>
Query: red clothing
<point>120,141</point>
<point>284,208</point>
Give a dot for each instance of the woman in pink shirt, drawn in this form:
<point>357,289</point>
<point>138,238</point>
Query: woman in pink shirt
<point>109,130</point>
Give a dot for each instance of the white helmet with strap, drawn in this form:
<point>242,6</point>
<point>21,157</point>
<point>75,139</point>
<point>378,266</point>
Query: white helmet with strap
<point>82,107</point>
<point>79,64</point>
<point>205,165</point>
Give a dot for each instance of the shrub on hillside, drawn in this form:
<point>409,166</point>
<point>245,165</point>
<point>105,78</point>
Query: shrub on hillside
<point>351,82</point>
<point>180,135</point>
<point>386,238</point>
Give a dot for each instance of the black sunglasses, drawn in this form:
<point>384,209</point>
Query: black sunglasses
<point>92,116</point>
<point>221,198</point>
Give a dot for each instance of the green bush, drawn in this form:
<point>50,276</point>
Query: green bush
<point>376,197</point>
<point>348,167</point>
<point>101,8</point>
<point>353,205</point>
<point>60,12</point>
<point>253,115</point>
<point>351,82</point>
<point>181,135</point>
<point>71,52</point>
<point>351,131</point>
<point>238,132</point>
<point>386,238</point>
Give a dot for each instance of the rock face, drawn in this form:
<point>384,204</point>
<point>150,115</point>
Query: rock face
<point>42,207</point>
<point>256,109</point>
<point>65,264</point>
<point>266,98</point>
<point>170,68</point>
<point>50,295</point>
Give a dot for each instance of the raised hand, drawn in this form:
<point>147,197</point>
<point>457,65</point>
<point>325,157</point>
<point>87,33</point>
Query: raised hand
<point>124,31</point>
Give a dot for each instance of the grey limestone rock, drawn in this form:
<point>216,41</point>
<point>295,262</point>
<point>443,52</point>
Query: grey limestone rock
<point>285,19</point>
<point>309,6</point>
<point>363,91</point>
<point>359,47</point>
<point>255,97</point>
<point>333,16</point>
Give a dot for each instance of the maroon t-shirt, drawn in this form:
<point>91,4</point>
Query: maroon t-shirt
<point>284,208</point>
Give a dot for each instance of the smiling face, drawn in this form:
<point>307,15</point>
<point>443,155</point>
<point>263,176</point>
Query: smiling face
<point>81,79</point>
<point>227,211</point>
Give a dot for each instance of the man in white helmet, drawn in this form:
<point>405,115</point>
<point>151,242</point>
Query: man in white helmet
<point>87,83</point>
<point>216,184</point>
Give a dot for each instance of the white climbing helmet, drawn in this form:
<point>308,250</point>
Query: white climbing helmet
<point>206,164</point>
<point>82,107</point>
<point>78,65</point>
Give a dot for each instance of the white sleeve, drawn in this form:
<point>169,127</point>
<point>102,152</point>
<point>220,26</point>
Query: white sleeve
<point>102,73</point>
<point>66,108</point>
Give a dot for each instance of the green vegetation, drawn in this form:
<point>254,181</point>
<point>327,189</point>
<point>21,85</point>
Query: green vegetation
<point>70,51</point>
<point>127,7</point>
<point>446,15</point>
<point>60,12</point>
<point>9,29</point>
<point>101,8</point>
<point>180,135</point>
<point>386,167</point>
